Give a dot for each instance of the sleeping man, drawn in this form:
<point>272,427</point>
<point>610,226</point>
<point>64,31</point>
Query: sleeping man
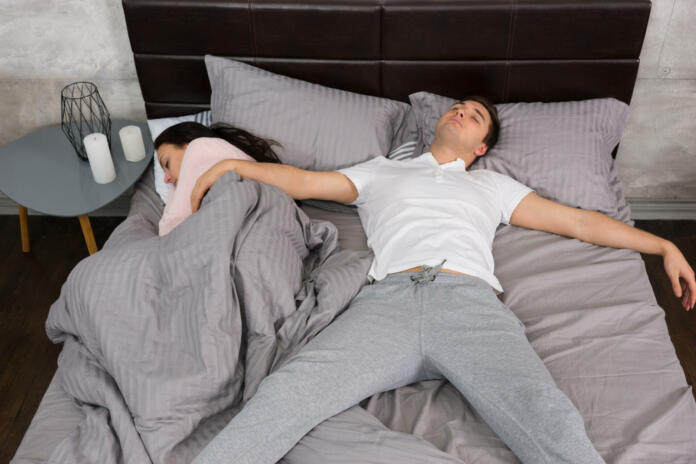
<point>431,310</point>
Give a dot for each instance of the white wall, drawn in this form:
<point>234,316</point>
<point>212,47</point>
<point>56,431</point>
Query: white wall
<point>46,44</point>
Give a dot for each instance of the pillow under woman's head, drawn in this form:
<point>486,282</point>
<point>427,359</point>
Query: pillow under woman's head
<point>562,150</point>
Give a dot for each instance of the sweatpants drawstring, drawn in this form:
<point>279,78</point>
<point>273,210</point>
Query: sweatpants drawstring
<point>428,273</point>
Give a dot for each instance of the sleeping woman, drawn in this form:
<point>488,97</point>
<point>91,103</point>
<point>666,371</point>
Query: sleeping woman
<point>187,150</point>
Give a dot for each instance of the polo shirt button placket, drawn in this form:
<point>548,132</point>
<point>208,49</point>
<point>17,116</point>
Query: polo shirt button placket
<point>438,175</point>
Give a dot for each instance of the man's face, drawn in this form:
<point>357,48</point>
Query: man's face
<point>464,126</point>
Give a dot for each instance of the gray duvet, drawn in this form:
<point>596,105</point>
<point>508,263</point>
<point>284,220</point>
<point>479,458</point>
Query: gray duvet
<point>590,314</point>
<point>166,338</point>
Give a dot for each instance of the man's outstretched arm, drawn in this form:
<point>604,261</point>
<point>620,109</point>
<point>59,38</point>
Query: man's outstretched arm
<point>535,212</point>
<point>296,183</point>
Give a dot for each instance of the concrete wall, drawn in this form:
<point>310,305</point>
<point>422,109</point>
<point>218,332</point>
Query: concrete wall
<point>46,44</point>
<point>657,155</point>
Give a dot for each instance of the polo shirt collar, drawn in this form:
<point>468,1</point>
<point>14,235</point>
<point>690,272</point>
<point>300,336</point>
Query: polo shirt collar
<point>457,164</point>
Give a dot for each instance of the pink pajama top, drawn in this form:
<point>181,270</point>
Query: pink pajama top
<point>201,154</point>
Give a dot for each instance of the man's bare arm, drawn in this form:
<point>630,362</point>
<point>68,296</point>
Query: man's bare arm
<point>535,212</point>
<point>298,183</point>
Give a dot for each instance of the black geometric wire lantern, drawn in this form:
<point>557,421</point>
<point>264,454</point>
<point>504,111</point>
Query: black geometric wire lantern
<point>83,112</point>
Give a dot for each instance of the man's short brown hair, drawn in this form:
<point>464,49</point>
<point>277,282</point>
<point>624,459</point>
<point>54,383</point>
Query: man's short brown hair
<point>491,137</point>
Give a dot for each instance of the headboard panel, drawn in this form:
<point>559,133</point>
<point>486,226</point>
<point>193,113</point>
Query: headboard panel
<point>507,50</point>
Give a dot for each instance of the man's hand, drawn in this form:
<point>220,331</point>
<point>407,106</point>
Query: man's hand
<point>535,212</point>
<point>681,275</point>
<point>206,180</point>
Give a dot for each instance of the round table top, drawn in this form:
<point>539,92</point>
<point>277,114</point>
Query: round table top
<point>41,171</point>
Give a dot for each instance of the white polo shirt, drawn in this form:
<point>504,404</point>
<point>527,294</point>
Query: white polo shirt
<point>417,212</point>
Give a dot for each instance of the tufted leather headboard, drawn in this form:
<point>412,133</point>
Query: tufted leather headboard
<point>507,50</point>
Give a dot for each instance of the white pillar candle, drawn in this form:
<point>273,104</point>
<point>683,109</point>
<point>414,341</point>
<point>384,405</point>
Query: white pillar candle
<point>99,158</point>
<point>132,143</point>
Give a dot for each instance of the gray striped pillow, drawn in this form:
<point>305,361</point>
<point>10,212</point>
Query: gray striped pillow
<point>405,151</point>
<point>319,128</point>
<point>562,150</point>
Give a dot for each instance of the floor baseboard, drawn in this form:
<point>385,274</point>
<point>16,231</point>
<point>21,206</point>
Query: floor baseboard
<point>670,210</point>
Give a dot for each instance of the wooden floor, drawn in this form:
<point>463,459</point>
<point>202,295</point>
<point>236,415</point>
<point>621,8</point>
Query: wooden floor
<point>29,283</point>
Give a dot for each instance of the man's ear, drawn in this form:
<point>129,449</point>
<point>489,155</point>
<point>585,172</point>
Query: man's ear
<point>481,150</point>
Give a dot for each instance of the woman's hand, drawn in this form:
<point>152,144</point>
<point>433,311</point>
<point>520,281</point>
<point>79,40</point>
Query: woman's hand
<point>681,275</point>
<point>206,180</point>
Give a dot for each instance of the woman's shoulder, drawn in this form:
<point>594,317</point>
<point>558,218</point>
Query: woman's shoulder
<point>203,143</point>
<point>215,148</point>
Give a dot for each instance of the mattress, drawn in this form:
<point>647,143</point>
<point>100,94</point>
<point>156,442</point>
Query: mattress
<point>590,314</point>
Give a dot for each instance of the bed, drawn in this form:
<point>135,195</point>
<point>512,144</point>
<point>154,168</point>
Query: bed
<point>603,338</point>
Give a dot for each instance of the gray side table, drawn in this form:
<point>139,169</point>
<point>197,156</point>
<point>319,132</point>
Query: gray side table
<point>41,171</point>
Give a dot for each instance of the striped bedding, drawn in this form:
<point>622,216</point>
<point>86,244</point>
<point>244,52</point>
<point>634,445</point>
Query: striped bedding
<point>166,338</point>
<point>590,314</point>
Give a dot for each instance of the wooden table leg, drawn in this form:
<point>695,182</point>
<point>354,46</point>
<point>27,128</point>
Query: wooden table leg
<point>24,228</point>
<point>87,232</point>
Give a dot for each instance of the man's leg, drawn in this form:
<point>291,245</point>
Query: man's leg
<point>479,345</point>
<point>372,346</point>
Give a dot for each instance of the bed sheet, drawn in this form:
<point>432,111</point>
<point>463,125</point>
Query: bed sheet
<point>591,316</point>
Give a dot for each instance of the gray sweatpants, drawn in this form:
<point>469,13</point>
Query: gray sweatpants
<point>403,329</point>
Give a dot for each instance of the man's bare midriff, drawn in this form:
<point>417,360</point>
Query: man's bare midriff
<point>420,269</point>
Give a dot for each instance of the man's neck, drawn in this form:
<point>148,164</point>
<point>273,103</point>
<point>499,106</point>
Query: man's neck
<point>444,154</point>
